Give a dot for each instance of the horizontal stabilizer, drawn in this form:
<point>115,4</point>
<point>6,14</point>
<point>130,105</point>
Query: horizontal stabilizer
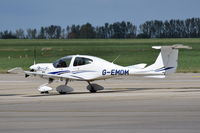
<point>175,46</point>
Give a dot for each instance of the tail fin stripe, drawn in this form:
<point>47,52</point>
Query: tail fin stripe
<point>163,69</point>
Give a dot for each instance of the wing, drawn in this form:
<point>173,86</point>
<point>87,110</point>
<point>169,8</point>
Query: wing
<point>53,76</point>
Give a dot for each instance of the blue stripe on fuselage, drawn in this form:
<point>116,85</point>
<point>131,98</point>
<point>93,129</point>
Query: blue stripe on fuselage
<point>59,72</point>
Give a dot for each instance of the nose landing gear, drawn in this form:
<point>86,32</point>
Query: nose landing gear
<point>44,89</point>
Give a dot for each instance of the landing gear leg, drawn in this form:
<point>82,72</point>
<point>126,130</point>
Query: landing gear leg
<point>66,81</point>
<point>91,88</point>
<point>61,91</point>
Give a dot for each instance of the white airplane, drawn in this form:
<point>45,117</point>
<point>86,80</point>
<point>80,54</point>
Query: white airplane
<point>90,68</point>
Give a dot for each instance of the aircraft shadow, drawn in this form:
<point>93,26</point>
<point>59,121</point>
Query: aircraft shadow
<point>75,93</point>
<point>9,95</point>
<point>112,90</point>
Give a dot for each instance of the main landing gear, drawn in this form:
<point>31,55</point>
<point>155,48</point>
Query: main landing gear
<point>64,89</point>
<point>61,89</point>
<point>93,88</point>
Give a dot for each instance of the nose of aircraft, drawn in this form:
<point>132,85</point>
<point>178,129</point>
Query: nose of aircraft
<point>41,67</point>
<point>34,67</point>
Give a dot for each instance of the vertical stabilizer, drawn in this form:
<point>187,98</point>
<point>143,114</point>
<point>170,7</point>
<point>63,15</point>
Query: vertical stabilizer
<point>167,60</point>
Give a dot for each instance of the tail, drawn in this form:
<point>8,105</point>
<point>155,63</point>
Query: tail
<point>167,60</point>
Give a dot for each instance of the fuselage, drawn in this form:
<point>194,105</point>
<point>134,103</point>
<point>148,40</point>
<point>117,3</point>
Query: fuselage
<point>91,68</point>
<point>83,67</point>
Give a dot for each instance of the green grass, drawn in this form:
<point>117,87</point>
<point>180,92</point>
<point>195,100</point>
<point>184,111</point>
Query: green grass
<point>19,53</point>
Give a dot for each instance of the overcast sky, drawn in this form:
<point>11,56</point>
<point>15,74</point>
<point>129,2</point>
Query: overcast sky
<point>25,14</point>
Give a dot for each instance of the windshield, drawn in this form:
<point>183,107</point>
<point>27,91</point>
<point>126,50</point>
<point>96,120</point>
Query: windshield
<point>62,62</point>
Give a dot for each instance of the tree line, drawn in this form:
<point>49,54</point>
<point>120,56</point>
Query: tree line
<point>174,28</point>
<point>189,28</point>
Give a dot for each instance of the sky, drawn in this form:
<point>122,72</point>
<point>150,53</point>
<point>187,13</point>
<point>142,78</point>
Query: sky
<point>15,14</point>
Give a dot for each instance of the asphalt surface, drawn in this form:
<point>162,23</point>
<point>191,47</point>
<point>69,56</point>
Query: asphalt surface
<point>127,105</point>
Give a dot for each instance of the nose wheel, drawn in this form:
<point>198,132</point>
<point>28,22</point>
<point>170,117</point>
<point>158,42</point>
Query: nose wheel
<point>44,92</point>
<point>44,89</point>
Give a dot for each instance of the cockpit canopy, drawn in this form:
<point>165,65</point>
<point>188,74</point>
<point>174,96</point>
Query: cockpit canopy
<point>79,61</point>
<point>65,61</point>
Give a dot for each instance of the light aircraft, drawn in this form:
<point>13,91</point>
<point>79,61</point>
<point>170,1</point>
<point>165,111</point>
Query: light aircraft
<point>90,68</point>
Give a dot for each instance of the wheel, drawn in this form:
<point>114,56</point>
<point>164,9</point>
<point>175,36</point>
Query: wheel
<point>93,90</point>
<point>63,89</point>
<point>62,92</point>
<point>44,92</point>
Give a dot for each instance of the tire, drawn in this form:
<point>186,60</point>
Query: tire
<point>44,92</point>
<point>62,93</point>
<point>93,91</point>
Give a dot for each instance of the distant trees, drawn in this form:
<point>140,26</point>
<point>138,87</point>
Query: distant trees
<point>42,34</point>
<point>175,28</point>
<point>31,34</point>
<point>73,31</point>
<point>189,28</point>
<point>7,35</point>
<point>20,34</point>
<point>87,31</point>
<point>116,30</point>
<point>53,32</point>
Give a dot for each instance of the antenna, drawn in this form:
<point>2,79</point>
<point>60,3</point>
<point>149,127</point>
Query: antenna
<point>34,56</point>
<point>115,59</point>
